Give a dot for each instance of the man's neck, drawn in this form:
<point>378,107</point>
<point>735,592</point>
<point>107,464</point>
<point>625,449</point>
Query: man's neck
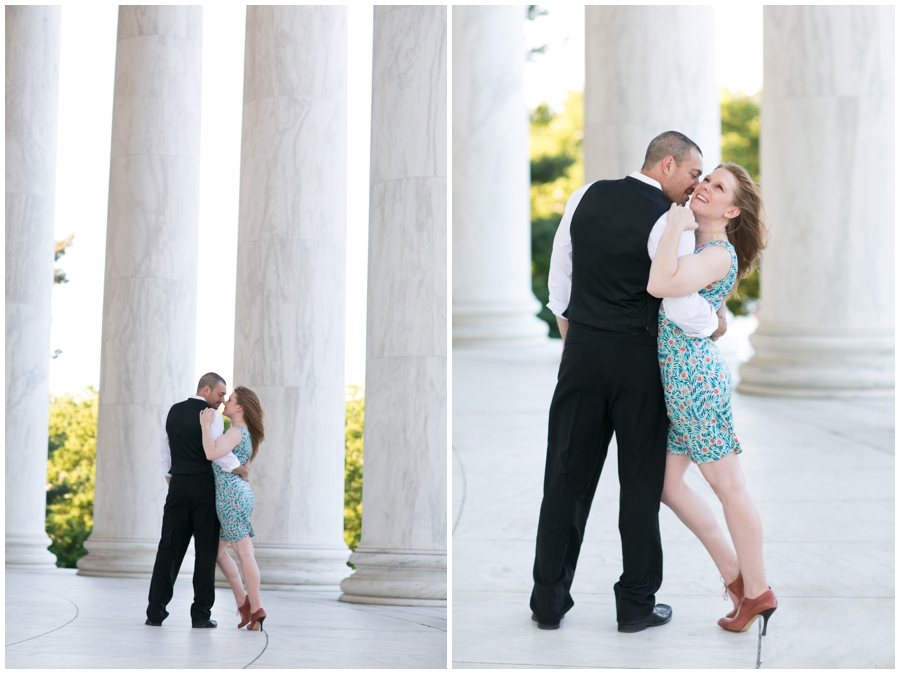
<point>653,174</point>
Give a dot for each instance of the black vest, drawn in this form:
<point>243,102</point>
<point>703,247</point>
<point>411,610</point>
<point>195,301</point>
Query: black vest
<point>610,264</point>
<point>186,438</point>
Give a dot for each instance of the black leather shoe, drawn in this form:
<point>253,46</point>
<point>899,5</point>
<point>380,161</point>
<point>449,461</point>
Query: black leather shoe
<point>150,622</point>
<point>544,626</point>
<point>208,623</point>
<point>662,613</point>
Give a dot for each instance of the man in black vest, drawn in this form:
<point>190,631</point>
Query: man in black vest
<point>190,508</point>
<point>609,381</point>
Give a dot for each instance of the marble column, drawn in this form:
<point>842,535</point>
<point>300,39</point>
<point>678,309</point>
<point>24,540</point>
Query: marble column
<point>150,291</point>
<point>648,69</point>
<point>32,97</point>
<point>492,299</point>
<point>289,312</point>
<point>827,164</point>
<point>402,555</point>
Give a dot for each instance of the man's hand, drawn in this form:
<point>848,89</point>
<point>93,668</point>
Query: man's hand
<point>243,472</point>
<point>723,323</point>
<point>168,480</point>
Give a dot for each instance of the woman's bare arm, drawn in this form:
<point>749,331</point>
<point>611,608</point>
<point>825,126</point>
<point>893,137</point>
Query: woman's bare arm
<point>224,444</point>
<point>671,276</point>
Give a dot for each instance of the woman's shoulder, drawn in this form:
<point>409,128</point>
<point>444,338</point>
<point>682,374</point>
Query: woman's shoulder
<point>718,242</point>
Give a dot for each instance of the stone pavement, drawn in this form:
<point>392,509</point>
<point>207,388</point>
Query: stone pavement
<point>57,620</point>
<point>822,475</point>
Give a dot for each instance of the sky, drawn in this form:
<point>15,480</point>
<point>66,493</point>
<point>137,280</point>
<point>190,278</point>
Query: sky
<point>87,68</point>
<point>549,76</point>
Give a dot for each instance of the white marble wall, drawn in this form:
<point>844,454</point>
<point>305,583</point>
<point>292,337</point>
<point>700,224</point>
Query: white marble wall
<point>827,164</point>
<point>289,313</point>
<point>492,299</point>
<point>648,69</point>
<point>32,97</point>
<point>150,293</point>
<point>402,557</point>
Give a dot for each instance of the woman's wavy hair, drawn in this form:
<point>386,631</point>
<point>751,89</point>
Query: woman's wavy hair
<point>253,416</point>
<point>747,232</point>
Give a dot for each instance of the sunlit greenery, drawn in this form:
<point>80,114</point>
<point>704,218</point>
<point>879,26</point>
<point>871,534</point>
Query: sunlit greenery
<point>740,144</point>
<point>70,475</point>
<point>557,170</point>
<point>353,466</point>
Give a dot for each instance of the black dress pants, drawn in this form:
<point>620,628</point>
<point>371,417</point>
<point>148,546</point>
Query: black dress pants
<point>608,382</point>
<point>190,510</point>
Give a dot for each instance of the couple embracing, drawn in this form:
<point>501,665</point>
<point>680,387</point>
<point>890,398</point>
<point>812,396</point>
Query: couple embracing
<point>209,498</point>
<point>638,283</point>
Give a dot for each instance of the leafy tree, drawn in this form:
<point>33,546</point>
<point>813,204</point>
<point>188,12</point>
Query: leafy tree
<point>740,144</point>
<point>557,170</point>
<point>70,475</point>
<point>353,465</point>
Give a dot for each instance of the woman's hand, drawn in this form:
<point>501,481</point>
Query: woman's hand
<point>682,217</point>
<point>207,416</point>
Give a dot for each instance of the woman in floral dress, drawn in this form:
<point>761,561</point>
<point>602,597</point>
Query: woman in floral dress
<point>726,212</point>
<point>234,499</point>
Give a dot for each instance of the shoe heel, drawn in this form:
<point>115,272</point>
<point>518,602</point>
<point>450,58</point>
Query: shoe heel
<point>766,615</point>
<point>257,625</point>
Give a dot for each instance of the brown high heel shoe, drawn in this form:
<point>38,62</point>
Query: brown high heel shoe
<point>735,587</point>
<point>256,619</point>
<point>244,612</point>
<point>749,610</point>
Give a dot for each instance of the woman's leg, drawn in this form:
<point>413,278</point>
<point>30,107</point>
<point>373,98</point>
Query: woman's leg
<point>244,550</point>
<point>693,510</point>
<point>229,568</point>
<point>727,480</point>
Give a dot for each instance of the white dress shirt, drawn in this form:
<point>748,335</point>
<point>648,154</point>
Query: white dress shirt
<point>227,463</point>
<point>693,314</point>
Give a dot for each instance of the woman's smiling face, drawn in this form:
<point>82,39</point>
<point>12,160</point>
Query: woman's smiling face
<point>714,196</point>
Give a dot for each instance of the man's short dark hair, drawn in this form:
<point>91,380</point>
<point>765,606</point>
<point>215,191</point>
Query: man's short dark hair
<point>669,144</point>
<point>210,379</point>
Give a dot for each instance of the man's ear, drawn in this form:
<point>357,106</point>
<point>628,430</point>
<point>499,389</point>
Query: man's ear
<point>667,164</point>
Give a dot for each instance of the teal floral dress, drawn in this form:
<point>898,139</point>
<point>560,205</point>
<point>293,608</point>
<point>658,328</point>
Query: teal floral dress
<point>234,498</point>
<point>697,382</point>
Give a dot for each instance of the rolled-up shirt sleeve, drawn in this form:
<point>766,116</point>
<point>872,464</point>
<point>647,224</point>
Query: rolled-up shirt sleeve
<point>559,281</point>
<point>165,452</point>
<point>693,314</point>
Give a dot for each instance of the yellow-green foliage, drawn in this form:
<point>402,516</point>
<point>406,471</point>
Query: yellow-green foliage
<point>557,170</point>
<point>740,144</point>
<point>70,474</point>
<point>353,467</point>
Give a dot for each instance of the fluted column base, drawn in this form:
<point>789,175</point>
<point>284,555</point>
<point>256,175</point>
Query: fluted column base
<point>29,551</point>
<point>119,557</point>
<point>286,566</point>
<point>820,366</point>
<point>498,324</point>
<point>397,578</point>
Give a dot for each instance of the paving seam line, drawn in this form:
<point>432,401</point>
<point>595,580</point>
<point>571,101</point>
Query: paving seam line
<point>462,503</point>
<point>263,630</point>
<point>406,620</point>
<point>55,628</point>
